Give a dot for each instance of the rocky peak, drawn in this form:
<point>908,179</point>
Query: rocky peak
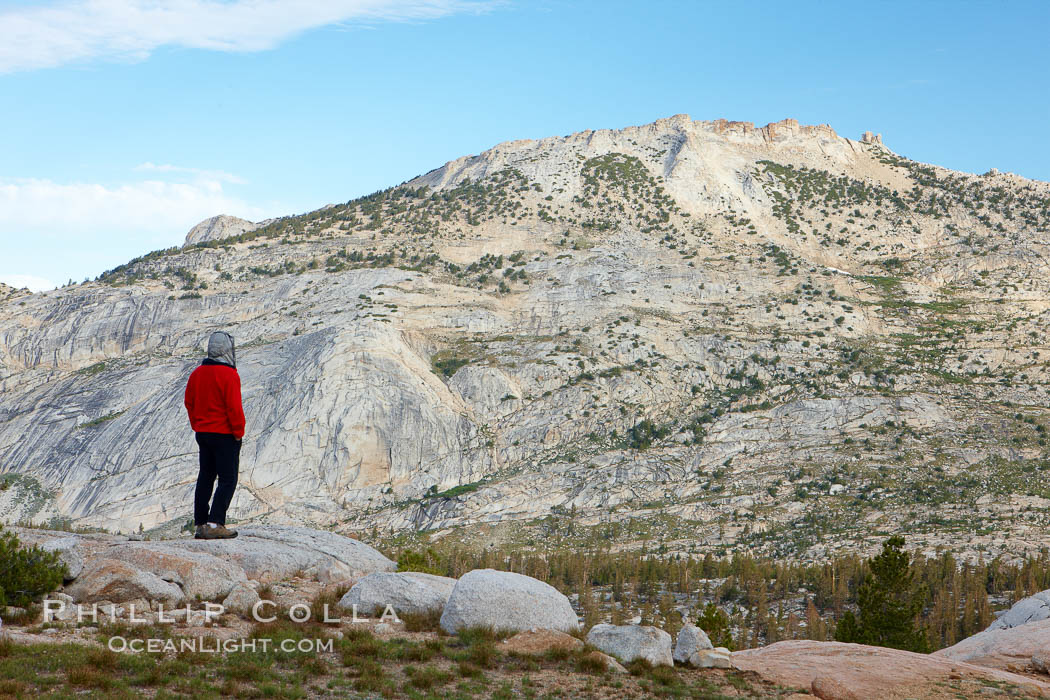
<point>714,317</point>
<point>218,227</point>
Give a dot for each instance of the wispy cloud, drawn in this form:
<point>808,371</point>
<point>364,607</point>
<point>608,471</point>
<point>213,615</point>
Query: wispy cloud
<point>30,282</point>
<point>149,210</point>
<point>77,30</point>
<point>197,173</point>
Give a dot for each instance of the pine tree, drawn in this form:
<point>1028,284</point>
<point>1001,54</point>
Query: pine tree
<point>715,623</point>
<point>26,574</point>
<point>890,601</point>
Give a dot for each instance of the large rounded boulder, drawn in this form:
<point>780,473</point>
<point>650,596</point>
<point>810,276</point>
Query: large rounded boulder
<point>630,642</point>
<point>405,592</point>
<point>506,601</point>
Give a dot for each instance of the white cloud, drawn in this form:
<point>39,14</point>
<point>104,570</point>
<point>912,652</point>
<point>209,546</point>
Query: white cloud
<point>149,210</point>
<point>32,282</point>
<point>77,30</point>
<point>70,230</point>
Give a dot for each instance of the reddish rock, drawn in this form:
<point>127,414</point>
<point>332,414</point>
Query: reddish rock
<point>828,688</point>
<point>538,641</point>
<point>117,581</point>
<point>609,662</point>
<point>854,670</point>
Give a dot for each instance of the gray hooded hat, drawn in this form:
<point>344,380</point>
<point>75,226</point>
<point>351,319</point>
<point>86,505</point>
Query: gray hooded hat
<point>220,348</point>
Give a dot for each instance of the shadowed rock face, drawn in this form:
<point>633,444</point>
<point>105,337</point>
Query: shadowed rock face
<point>766,334</point>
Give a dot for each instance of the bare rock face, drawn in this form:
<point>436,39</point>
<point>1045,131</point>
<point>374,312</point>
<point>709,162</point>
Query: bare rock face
<point>489,344</point>
<point>241,599</point>
<point>273,552</point>
<point>691,639</point>
<point>199,575</point>
<point>217,228</point>
<point>1025,611</point>
<point>68,554</point>
<point>1013,639</point>
<point>719,657</point>
<point>506,601</point>
<point>838,671</point>
<point>410,591</point>
<point>1002,647</point>
<point>170,571</point>
<point>630,642</point>
<point>117,581</point>
<point>831,688</point>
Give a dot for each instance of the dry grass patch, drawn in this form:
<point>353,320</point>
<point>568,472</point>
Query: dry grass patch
<point>426,621</point>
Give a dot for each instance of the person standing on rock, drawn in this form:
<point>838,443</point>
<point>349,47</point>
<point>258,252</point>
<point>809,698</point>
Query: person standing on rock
<point>213,401</point>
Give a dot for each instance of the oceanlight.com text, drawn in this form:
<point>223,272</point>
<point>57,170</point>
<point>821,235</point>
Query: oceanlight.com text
<point>210,645</point>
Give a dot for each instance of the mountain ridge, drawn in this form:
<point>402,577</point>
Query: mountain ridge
<point>707,333</point>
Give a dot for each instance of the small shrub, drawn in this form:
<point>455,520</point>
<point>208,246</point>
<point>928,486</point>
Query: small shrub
<point>414,652</point>
<point>88,677</point>
<point>469,670</point>
<point>483,654</point>
<point>330,597</point>
<point>558,654</point>
<point>640,667</point>
<point>427,677</point>
<point>427,621</point>
<point>590,663</point>
<point>28,573</point>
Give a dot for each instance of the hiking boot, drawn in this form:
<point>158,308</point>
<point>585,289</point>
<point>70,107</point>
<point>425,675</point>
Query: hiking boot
<point>199,532</point>
<point>217,532</point>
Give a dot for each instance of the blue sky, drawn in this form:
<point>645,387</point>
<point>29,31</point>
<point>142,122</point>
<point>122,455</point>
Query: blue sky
<point>124,122</point>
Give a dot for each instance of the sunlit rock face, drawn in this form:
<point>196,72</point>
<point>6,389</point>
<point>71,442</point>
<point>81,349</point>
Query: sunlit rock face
<point>699,333</point>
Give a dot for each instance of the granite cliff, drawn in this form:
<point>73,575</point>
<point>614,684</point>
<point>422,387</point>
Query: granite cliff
<point>697,333</point>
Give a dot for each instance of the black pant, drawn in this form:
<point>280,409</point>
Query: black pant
<point>220,457</point>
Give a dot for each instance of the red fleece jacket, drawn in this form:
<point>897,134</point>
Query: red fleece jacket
<point>213,400</point>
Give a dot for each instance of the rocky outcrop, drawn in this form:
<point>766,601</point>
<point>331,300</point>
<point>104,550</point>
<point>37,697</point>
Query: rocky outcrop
<point>408,592</point>
<point>218,228</point>
<point>68,555</point>
<point>630,642</point>
<point>200,576</point>
<point>1025,611</point>
<point>504,600</point>
<point>118,582</point>
<point>1002,647</point>
<point>117,570</point>
<point>1017,637</point>
<point>275,552</point>
<point>719,657</point>
<point>834,670</point>
<point>690,640</point>
<point>241,599</point>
